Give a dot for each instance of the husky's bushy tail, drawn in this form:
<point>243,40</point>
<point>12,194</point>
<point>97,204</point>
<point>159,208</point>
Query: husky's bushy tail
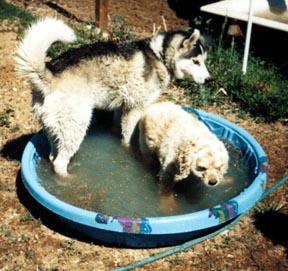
<point>31,53</point>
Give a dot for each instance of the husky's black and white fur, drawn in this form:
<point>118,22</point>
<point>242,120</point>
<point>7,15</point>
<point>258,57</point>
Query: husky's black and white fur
<point>124,76</point>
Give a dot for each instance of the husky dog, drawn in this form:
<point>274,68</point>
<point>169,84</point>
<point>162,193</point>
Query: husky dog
<point>182,144</point>
<point>124,76</point>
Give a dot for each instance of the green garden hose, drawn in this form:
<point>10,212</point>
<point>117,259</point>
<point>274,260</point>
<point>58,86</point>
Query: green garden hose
<point>193,242</point>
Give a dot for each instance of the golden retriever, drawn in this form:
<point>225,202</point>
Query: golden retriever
<point>182,144</point>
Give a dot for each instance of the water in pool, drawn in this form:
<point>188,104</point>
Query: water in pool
<point>110,179</point>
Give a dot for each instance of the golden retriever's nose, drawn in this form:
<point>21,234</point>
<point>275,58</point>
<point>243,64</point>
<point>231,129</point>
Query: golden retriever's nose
<point>212,182</point>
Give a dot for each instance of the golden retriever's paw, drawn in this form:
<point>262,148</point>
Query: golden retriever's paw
<point>167,203</point>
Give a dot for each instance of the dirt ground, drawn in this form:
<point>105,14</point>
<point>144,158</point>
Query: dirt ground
<point>31,240</point>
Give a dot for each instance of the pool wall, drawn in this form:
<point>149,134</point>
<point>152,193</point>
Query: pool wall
<point>154,231</point>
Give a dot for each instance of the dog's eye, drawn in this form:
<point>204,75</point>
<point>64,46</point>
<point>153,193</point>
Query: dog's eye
<point>201,168</point>
<point>196,62</point>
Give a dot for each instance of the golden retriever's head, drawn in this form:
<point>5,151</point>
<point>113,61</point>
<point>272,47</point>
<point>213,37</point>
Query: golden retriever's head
<point>206,158</point>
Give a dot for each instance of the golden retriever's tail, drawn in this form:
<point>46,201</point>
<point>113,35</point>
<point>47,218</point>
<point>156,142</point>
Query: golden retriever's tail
<point>31,53</point>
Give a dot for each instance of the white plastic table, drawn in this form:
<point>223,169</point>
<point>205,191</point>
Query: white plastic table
<point>269,13</point>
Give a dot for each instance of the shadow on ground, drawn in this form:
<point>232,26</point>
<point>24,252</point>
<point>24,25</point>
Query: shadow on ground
<point>273,225</point>
<point>13,149</point>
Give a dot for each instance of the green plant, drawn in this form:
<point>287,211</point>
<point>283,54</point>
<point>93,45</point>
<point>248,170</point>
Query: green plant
<point>17,17</point>
<point>39,222</point>
<point>220,40</point>
<point>15,128</point>
<point>265,207</point>
<point>25,238</point>
<point>119,29</point>
<point>202,23</point>
<point>41,268</point>
<point>4,117</point>
<point>260,92</point>
<point>6,232</point>
<point>86,34</point>
<point>175,260</point>
<point>27,217</point>
<point>204,94</point>
<point>30,255</point>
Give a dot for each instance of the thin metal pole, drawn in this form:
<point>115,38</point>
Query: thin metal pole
<point>248,37</point>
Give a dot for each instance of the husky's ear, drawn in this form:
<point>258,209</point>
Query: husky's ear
<point>192,39</point>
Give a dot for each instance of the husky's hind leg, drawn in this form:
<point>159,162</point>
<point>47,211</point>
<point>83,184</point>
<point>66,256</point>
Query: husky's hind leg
<point>67,145</point>
<point>68,133</point>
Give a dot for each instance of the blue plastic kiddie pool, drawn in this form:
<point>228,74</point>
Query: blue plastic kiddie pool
<point>154,231</point>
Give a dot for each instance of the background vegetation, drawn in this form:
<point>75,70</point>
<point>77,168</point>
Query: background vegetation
<point>261,92</point>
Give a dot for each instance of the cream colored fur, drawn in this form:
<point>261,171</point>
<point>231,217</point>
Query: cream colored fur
<point>182,144</point>
<point>126,81</point>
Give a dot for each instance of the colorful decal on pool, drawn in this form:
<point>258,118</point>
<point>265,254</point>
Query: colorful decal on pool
<point>225,212</point>
<point>129,225</point>
<point>36,156</point>
<point>264,164</point>
<point>263,185</point>
<point>102,219</point>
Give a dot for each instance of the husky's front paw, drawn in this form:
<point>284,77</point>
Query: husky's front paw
<point>66,180</point>
<point>125,143</point>
<point>60,167</point>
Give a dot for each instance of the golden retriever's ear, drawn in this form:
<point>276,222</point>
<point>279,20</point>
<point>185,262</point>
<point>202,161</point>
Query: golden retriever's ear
<point>184,162</point>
